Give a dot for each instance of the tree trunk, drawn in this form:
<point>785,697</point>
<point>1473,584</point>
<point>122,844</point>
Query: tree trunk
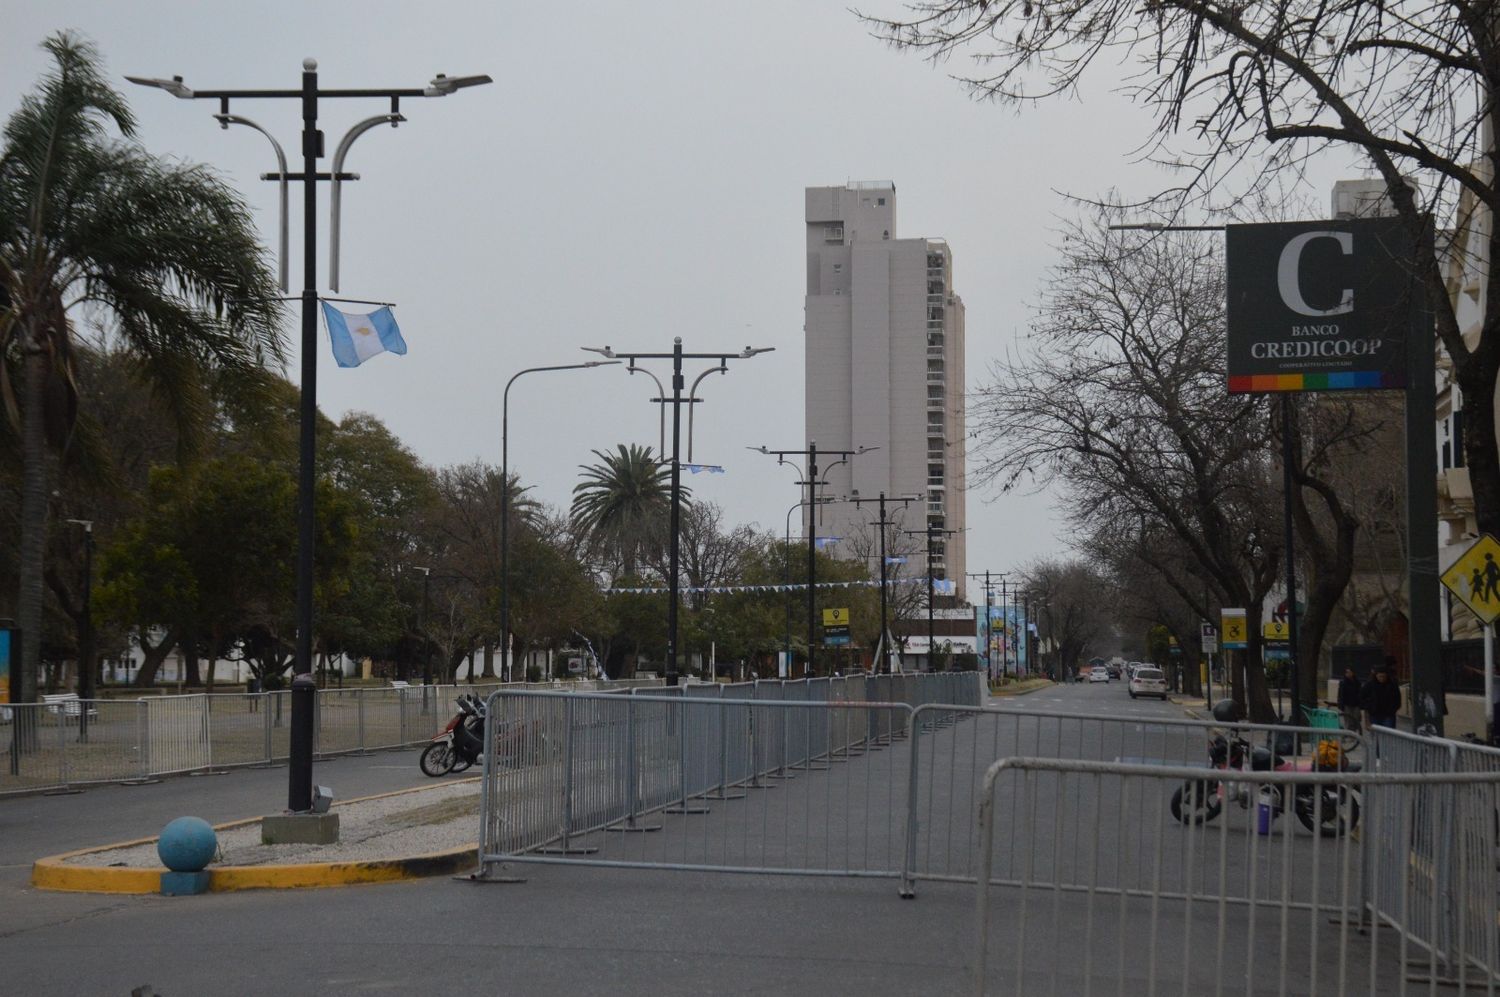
<point>1476,377</point>
<point>34,468</point>
<point>154,656</point>
<point>489,661</point>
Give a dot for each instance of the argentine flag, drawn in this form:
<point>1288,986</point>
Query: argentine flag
<point>357,338</point>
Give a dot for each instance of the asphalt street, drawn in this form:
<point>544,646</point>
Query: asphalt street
<point>567,929</point>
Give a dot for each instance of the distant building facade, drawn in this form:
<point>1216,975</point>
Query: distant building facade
<point>885,367</point>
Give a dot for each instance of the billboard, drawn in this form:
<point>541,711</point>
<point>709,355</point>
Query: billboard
<point>1321,305</point>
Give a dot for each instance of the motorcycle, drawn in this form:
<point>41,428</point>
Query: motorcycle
<point>1331,811</point>
<point>458,745</point>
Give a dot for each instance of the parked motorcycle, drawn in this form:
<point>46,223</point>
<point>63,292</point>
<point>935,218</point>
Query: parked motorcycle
<point>1331,811</point>
<point>458,745</point>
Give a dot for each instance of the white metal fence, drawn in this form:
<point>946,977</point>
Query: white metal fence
<point>772,776</point>
<point>1144,904</point>
<point>46,746</point>
<point>1430,865</point>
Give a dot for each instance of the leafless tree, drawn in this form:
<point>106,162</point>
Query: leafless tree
<point>1122,399</point>
<point>1073,607</point>
<point>1245,94</point>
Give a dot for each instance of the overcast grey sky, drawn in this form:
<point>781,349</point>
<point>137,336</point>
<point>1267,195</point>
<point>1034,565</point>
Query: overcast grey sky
<point>635,174</point>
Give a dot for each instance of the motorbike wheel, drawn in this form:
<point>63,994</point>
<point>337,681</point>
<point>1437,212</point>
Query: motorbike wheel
<point>1196,802</point>
<point>1339,810</point>
<point>437,759</point>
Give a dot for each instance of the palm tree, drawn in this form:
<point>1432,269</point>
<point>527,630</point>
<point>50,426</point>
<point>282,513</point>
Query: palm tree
<point>622,503</point>
<point>160,256</point>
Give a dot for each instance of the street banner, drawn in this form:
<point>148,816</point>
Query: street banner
<point>1475,579</point>
<point>1320,305</point>
<point>1235,629</point>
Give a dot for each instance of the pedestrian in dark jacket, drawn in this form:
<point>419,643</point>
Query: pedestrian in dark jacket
<point>1381,699</point>
<point>1349,699</point>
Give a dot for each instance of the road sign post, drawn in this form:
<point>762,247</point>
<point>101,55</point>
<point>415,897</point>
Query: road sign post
<point>1475,579</point>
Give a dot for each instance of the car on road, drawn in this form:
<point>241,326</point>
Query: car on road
<point>1148,681</point>
<point>1099,675</point>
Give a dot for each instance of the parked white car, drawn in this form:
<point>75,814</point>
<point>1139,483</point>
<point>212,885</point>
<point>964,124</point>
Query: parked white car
<point>1147,681</point>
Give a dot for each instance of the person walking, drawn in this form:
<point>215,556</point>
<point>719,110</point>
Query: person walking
<point>1349,699</point>
<point>1381,699</point>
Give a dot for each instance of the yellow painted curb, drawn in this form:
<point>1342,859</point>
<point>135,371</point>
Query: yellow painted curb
<point>55,873</point>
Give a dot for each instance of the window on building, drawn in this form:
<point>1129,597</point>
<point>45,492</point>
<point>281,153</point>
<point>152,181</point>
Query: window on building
<point>880,201</point>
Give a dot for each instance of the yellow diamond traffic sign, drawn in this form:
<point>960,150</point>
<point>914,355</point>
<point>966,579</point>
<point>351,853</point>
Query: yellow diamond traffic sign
<point>1475,578</point>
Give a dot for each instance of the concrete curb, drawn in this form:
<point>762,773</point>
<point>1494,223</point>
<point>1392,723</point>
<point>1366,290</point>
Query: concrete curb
<point>1022,692</point>
<point>54,873</point>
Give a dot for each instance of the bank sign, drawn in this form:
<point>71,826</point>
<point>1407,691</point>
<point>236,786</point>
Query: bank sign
<point>1320,306</point>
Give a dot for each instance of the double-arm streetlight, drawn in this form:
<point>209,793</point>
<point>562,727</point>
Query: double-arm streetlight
<point>884,667</point>
<point>505,499</point>
<point>299,779</point>
<point>813,482</point>
<point>674,527</point>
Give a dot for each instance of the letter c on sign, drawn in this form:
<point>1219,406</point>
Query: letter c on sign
<point>1291,288</point>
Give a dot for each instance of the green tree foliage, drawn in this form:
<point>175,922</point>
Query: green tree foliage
<point>161,255</point>
<point>622,504</point>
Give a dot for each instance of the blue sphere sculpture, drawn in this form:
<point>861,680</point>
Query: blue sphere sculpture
<point>187,844</point>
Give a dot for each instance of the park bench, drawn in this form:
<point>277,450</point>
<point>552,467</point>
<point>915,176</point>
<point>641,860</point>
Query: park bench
<point>68,704</point>
<point>399,684</point>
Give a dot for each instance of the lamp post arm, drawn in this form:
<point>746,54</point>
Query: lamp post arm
<point>723,368</point>
<point>225,120</point>
<point>335,199</point>
<point>661,393</point>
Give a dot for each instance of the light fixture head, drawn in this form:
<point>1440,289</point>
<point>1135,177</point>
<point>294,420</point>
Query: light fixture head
<point>442,85</point>
<point>603,351</point>
<point>174,86</point>
<point>751,351</point>
<point>601,363</point>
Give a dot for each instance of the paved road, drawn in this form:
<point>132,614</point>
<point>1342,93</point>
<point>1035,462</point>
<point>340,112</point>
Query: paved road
<point>569,929</point>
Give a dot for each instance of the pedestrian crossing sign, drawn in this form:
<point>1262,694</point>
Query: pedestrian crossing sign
<point>1475,579</point>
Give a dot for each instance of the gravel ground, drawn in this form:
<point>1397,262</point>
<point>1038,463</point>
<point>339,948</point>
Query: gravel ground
<point>431,819</point>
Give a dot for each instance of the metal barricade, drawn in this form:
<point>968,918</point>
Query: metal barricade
<point>69,742</point>
<point>1429,865</point>
<point>949,761</point>
<point>1246,900</point>
<point>667,764</point>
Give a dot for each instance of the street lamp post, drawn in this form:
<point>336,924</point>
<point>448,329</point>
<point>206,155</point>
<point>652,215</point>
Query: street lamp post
<point>675,514</point>
<point>422,629</point>
<point>299,777</point>
<point>505,500</point>
<point>884,667</point>
<point>812,482</point>
<point>86,634</point>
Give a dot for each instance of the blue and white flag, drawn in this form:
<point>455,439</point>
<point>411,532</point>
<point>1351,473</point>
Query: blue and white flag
<point>357,338</point>
<point>944,586</point>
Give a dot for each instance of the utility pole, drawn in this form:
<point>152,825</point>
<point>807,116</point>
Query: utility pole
<point>674,527</point>
<point>883,667</point>
<point>932,533</point>
<point>989,626</point>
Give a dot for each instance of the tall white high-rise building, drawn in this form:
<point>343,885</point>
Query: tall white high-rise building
<point>885,365</point>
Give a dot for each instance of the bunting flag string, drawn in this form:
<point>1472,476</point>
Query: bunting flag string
<point>737,589</point>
